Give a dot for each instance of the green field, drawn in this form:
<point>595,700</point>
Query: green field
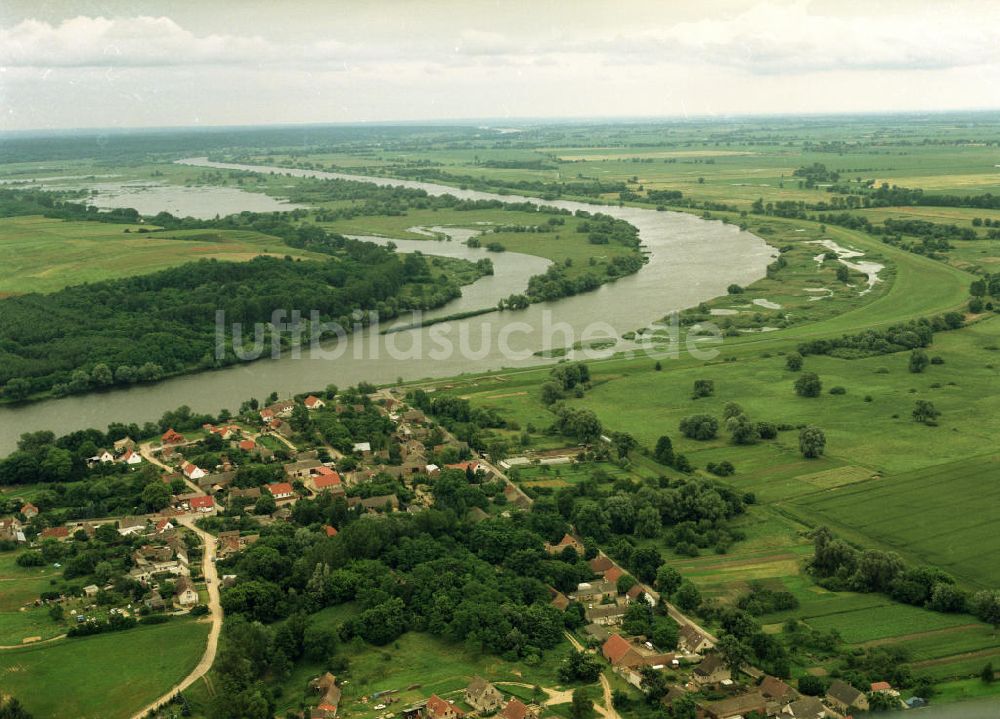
<point>39,254</point>
<point>924,514</point>
<point>105,676</point>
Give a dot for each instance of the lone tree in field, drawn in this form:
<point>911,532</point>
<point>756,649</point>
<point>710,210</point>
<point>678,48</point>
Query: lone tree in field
<point>793,362</point>
<point>843,274</point>
<point>808,385</point>
<point>987,674</point>
<point>918,361</point>
<point>812,442</point>
<point>703,388</point>
<point>925,411</point>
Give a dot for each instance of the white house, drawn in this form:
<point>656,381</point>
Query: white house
<point>192,471</point>
<point>185,592</point>
<point>130,457</point>
<point>362,447</point>
<point>313,402</point>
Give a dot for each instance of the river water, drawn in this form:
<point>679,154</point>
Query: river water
<point>690,260</point>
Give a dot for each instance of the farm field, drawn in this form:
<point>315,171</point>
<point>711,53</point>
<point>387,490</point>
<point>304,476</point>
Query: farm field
<point>107,676</point>
<point>924,515</point>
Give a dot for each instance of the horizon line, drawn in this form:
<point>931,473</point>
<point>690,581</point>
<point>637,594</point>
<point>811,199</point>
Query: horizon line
<point>500,121</point>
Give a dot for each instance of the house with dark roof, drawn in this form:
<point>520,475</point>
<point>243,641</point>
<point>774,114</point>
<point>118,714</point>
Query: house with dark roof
<point>693,641</point>
<point>808,708</point>
<point>776,692</point>
<point>595,592</point>
<point>844,697</point>
<point>605,614</point>
<point>711,670</point>
<point>735,707</point>
<point>568,541</point>
<point>482,696</point>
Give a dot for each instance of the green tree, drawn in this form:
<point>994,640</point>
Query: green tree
<point>793,362</point>
<point>17,388</point>
<point>987,674</point>
<point>699,426</point>
<point>812,442</point>
<point>668,580</point>
<point>581,706</point>
<point>155,495</point>
<point>664,451</point>
<point>924,411</point>
<point>687,596</point>
<point>735,652</point>
<point>808,385</point>
<point>623,442</point>
<point>703,388</point>
<point>918,361</point>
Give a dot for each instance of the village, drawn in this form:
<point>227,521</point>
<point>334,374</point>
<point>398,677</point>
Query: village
<point>173,552</point>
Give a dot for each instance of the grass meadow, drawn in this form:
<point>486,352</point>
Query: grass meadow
<point>106,676</point>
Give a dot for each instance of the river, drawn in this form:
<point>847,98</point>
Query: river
<point>690,260</point>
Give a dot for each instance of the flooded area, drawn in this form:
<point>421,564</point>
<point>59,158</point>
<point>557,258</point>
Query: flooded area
<point>690,260</point>
<point>845,256</point>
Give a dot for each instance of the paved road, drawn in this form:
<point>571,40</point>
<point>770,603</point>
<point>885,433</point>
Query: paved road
<point>214,614</point>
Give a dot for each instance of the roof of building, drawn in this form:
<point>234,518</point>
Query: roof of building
<point>774,688</point>
<point>438,706</point>
<point>709,665</point>
<point>807,708</point>
<point>881,686</point>
<point>205,502</point>
<point>327,480</point>
<point>843,692</point>
<point>600,563</point>
<point>280,488</point>
<point>738,705</point>
<point>615,648</point>
<point>515,709</point>
<point>55,532</point>
<point>613,574</point>
<point>478,686</point>
<point>330,531</point>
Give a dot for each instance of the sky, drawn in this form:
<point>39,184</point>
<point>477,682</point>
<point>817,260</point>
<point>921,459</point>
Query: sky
<point>143,63</point>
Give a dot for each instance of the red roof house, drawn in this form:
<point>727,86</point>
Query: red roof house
<point>438,708</point>
<point>613,574</point>
<point>248,445</point>
<point>172,437</point>
<point>55,533</point>
<point>615,648</point>
<point>202,504</point>
<point>313,402</point>
<point>515,709</point>
<point>281,490</point>
<point>330,531</point>
<point>326,481</point>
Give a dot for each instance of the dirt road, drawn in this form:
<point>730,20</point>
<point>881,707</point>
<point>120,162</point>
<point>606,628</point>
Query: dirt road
<point>214,615</point>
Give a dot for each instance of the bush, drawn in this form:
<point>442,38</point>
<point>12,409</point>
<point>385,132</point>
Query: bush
<point>30,559</point>
<point>793,362</point>
<point>767,430</point>
<point>198,610</point>
<point>734,290</point>
<point>838,390</point>
<point>699,426</point>
<point>722,469</point>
